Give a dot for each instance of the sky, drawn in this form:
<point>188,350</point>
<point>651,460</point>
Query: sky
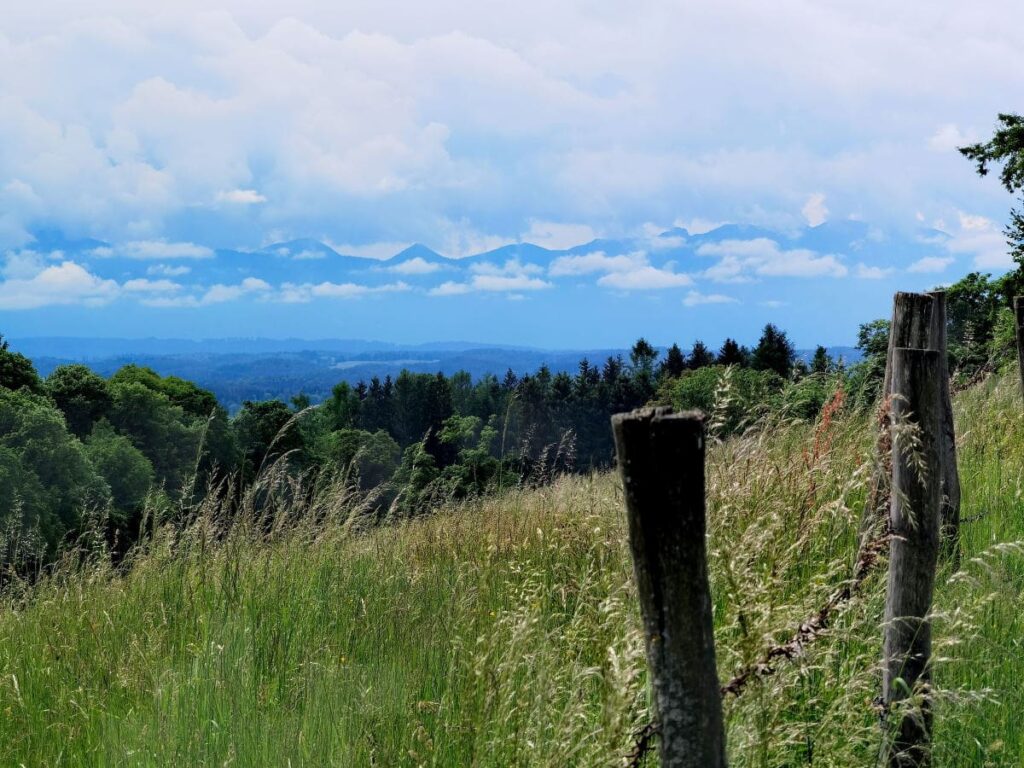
<point>171,132</point>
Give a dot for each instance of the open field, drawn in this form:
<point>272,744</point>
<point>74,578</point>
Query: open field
<point>505,631</point>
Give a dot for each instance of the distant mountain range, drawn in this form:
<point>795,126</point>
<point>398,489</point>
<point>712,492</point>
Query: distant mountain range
<point>818,283</point>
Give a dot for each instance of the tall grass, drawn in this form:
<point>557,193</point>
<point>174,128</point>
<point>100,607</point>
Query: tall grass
<point>504,631</point>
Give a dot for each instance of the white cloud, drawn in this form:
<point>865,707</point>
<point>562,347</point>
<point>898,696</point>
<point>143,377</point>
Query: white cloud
<point>931,264</point>
<point>292,293</point>
<point>644,279</point>
<point>491,283</point>
<point>511,268</point>
<point>802,263</point>
<point>450,288</point>
<point>216,294</point>
<point>156,249</point>
<point>307,255</point>
<point>866,272</point>
<point>948,138</point>
<point>219,293</point>
<point>815,211</point>
<point>764,257</point>
<point>22,264</point>
<point>415,266</point>
<point>167,270</point>
<point>142,285</point>
<point>596,261</point>
<point>694,299</point>
<point>66,283</point>
<point>980,237</point>
<point>240,197</point>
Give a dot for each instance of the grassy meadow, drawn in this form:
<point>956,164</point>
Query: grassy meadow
<point>505,631</point>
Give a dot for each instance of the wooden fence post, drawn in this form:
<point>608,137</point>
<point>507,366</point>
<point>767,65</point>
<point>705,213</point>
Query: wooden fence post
<point>910,327</point>
<point>949,517</point>
<point>661,460</point>
<point>913,552</point>
<point>1018,313</point>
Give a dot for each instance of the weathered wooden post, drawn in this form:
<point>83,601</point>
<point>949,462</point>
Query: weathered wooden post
<point>661,459</point>
<point>913,552</point>
<point>949,517</point>
<point>910,327</point>
<point>1018,313</point>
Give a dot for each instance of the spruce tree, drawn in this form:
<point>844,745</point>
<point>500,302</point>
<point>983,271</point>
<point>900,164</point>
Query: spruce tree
<point>701,356</point>
<point>674,364</point>
<point>774,352</point>
<point>732,353</point>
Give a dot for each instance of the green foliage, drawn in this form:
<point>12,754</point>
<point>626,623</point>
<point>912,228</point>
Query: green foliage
<point>866,377</point>
<point>157,427</point>
<point>746,394</point>
<point>700,356</point>
<point>674,363</point>
<point>52,482</point>
<point>127,472</point>
<point>374,456</point>
<point>82,396</point>
<point>1007,147</point>
<point>17,371</point>
<point>266,430</point>
<point>822,362</point>
<point>732,353</point>
<point>774,352</point>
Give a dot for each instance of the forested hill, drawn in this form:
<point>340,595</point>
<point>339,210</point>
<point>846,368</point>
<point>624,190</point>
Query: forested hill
<point>236,370</point>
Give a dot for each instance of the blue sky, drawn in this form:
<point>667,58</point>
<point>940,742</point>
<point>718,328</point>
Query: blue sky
<point>181,140</point>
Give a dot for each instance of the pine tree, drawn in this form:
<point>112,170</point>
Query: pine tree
<point>732,353</point>
<point>822,362</point>
<point>701,356</point>
<point>674,364</point>
<point>774,352</point>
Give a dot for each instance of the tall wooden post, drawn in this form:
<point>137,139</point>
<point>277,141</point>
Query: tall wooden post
<point>661,460</point>
<point>949,517</point>
<point>1018,313</point>
<point>910,327</point>
<point>913,552</point>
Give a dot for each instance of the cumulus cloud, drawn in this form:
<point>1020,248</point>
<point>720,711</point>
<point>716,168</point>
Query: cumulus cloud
<point>815,211</point>
<point>292,293</point>
<point>491,283</point>
<point>596,261</point>
<point>240,197</point>
<point>982,238</point>
<point>644,278</point>
<point>142,285</point>
<point>948,138</point>
<point>167,270</point>
<point>694,299</point>
<point>306,255</point>
<point>155,249</point>
<point>64,283</point>
<point>511,268</point>
<point>415,266</point>
<point>867,272</point>
<point>931,264</point>
<point>741,259</point>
